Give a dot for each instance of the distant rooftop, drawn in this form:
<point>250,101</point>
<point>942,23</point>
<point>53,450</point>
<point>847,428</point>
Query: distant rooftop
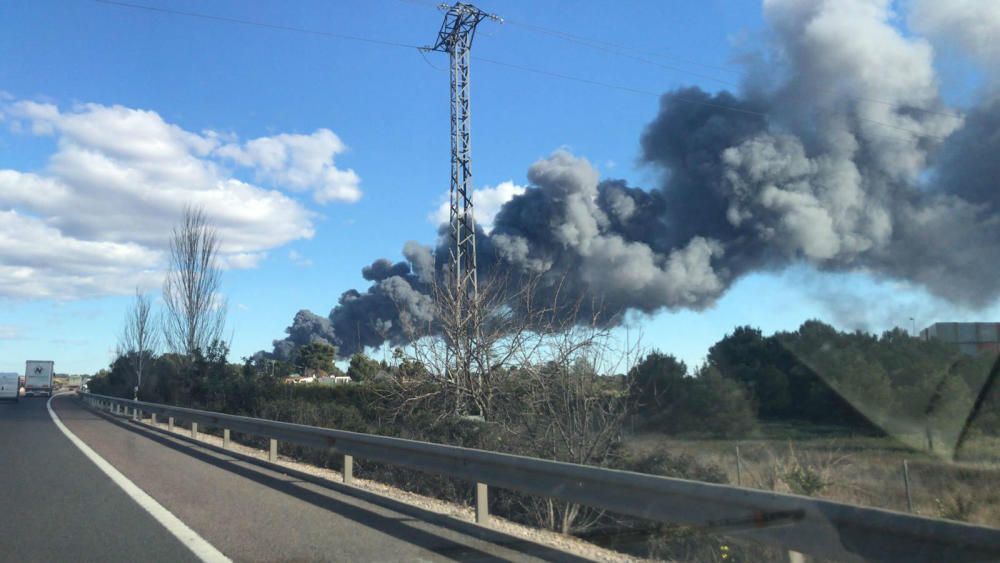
<point>972,338</point>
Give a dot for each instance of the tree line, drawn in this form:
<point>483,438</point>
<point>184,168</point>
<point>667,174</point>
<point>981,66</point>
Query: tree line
<point>540,381</point>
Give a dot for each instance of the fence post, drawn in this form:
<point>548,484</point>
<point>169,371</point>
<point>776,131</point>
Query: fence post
<point>739,468</point>
<point>482,504</point>
<point>194,430</point>
<point>225,438</point>
<point>170,423</point>
<point>906,483</point>
<point>272,454</point>
<point>348,469</point>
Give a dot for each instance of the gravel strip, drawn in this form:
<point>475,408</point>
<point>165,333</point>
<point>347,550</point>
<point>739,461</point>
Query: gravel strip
<point>569,544</point>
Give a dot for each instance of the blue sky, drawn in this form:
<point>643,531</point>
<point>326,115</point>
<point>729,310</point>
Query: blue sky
<point>389,108</point>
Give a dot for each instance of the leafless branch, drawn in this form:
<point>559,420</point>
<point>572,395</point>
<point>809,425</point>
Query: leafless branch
<point>195,311</point>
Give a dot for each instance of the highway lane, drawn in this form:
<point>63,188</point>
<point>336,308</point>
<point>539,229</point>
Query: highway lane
<point>252,513</point>
<point>56,505</point>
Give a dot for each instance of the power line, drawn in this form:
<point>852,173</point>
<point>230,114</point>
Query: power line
<point>253,23</point>
<point>592,42</point>
<point>617,48</point>
<point>523,68</point>
<point>613,86</point>
<point>686,100</point>
<point>627,52</point>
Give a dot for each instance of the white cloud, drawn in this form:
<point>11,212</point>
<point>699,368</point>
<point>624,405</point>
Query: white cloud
<point>487,203</point>
<point>299,162</point>
<point>8,332</point>
<point>242,260</point>
<point>38,261</point>
<point>97,218</point>
<point>973,25</point>
<point>298,259</point>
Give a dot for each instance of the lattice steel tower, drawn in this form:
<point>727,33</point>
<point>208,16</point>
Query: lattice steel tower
<point>455,38</point>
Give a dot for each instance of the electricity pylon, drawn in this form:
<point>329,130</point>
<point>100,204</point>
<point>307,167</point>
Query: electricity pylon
<point>455,38</point>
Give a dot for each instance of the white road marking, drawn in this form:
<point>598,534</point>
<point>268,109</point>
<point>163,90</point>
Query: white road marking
<point>197,544</point>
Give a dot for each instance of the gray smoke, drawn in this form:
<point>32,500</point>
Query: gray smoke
<point>307,327</point>
<point>839,153</point>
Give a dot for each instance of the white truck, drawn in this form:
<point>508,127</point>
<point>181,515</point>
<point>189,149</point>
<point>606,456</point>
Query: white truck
<point>10,386</point>
<point>38,377</point>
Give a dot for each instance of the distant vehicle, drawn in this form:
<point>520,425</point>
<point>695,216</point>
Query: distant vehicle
<point>38,377</point>
<point>10,387</point>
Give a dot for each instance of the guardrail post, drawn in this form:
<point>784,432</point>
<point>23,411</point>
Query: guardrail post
<point>482,504</point>
<point>136,414</point>
<point>225,438</point>
<point>170,423</point>
<point>194,430</point>
<point>272,454</point>
<point>152,418</point>
<point>796,557</point>
<point>348,469</point>
<point>906,483</point>
<point>739,468</point>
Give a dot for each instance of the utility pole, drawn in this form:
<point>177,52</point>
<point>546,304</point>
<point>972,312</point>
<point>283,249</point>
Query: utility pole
<point>455,38</point>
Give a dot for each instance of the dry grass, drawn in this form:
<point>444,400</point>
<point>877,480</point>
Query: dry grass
<point>865,471</point>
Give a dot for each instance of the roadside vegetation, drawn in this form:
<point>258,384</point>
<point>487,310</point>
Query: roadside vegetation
<point>815,412</point>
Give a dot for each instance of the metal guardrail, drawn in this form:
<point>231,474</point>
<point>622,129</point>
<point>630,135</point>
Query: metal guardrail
<point>806,525</point>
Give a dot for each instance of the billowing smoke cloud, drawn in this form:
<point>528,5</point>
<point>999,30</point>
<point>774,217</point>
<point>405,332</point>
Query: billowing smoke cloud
<point>396,303</point>
<point>839,153</point>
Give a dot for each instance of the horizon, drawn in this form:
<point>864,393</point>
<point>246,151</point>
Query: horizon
<point>311,176</point>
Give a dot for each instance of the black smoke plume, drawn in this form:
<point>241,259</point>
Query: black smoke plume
<point>838,153</point>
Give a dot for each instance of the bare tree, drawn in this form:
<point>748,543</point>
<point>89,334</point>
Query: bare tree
<point>468,351</point>
<point>534,370</point>
<point>140,338</point>
<point>195,312</point>
<point>570,412</point>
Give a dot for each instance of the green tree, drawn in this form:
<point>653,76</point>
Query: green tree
<point>362,367</point>
<point>655,383</point>
<point>713,404</point>
<point>316,357</point>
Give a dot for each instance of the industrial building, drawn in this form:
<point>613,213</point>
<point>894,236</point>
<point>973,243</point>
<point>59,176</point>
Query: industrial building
<point>972,338</point>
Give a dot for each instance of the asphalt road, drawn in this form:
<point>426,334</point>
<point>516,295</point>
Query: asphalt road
<point>56,505</point>
<point>248,512</point>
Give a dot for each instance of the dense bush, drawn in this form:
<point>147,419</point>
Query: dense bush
<point>665,398</point>
<point>562,411</point>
